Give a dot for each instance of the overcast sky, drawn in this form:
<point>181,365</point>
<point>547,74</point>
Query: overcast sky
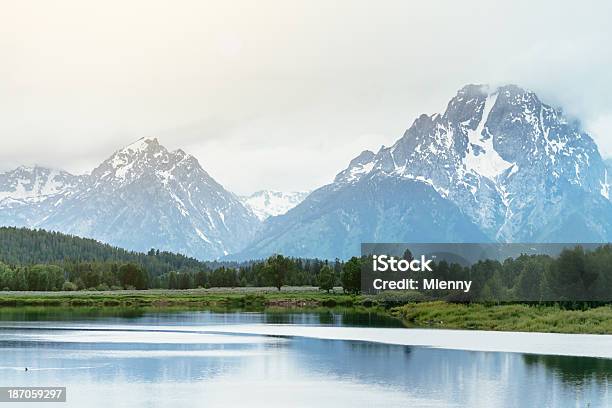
<point>278,94</point>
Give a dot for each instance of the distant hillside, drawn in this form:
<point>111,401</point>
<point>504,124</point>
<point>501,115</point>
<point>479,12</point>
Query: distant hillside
<point>22,246</point>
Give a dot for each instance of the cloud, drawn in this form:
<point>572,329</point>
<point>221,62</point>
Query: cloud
<point>276,94</point>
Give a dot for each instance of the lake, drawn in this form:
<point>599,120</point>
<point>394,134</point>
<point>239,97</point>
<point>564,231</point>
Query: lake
<point>229,359</point>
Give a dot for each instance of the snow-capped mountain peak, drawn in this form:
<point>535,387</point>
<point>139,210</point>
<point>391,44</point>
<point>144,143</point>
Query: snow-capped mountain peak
<point>142,196</point>
<point>141,145</point>
<point>29,194</point>
<point>360,165</point>
<point>496,165</point>
<point>133,161</point>
<point>148,159</point>
<point>29,184</point>
<point>270,203</point>
<point>482,149</point>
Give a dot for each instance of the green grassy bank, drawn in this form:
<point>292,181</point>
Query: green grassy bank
<point>513,317</point>
<point>191,298</point>
<point>506,317</point>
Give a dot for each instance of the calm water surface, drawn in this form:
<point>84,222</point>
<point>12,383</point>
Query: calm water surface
<point>104,365</point>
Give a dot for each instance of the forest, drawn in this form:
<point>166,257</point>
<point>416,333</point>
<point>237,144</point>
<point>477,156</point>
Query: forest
<point>38,260</point>
<point>575,274</point>
<point>49,261</point>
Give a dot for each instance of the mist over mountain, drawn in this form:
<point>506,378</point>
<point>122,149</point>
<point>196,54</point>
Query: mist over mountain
<point>497,165</point>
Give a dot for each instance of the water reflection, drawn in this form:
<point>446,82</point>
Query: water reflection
<point>353,317</point>
<point>574,370</point>
<point>174,368</point>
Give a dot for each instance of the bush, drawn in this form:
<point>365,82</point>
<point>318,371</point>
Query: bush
<point>398,298</point>
<point>69,286</point>
<point>253,300</point>
<point>81,302</point>
<point>329,303</point>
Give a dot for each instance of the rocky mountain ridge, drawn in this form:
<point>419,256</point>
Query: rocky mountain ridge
<point>141,197</point>
<point>499,159</point>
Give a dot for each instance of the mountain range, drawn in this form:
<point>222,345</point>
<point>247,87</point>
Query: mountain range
<point>496,165</point>
<point>141,197</point>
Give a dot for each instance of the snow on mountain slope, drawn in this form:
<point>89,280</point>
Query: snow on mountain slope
<point>481,157</point>
<point>502,156</point>
<point>607,180</point>
<point>513,166</point>
<point>29,194</point>
<point>496,165</point>
<point>270,203</point>
<point>34,184</point>
<point>145,196</point>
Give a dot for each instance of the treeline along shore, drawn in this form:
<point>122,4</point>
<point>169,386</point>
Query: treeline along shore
<point>45,261</point>
<point>45,269</point>
<point>38,260</point>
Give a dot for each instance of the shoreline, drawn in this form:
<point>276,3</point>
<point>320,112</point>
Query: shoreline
<point>512,317</point>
